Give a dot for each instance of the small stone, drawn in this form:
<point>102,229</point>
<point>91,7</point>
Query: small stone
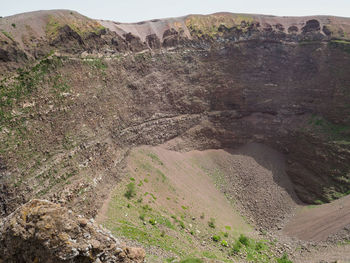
<point>136,254</point>
<point>82,222</point>
<point>95,243</point>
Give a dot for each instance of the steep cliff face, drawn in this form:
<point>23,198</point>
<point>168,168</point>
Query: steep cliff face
<point>216,81</point>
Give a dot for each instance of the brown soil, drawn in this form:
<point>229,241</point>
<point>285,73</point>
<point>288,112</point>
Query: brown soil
<point>320,222</point>
<point>197,188</point>
<point>339,254</point>
<point>255,176</point>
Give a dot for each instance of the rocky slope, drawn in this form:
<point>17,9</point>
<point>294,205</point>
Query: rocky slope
<point>41,231</point>
<point>77,94</point>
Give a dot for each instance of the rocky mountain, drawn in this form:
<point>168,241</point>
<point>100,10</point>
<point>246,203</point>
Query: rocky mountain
<point>77,95</point>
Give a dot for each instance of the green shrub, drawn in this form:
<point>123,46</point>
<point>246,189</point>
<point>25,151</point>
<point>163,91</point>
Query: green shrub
<point>146,208</point>
<point>244,240</point>
<point>224,243</point>
<point>182,224</point>
<point>236,247</point>
<point>319,202</point>
<point>284,259</point>
<point>211,223</point>
<point>13,25</point>
<point>130,191</point>
<point>142,217</point>
<point>152,222</point>
<point>216,238</point>
<point>226,234</point>
<point>259,246</point>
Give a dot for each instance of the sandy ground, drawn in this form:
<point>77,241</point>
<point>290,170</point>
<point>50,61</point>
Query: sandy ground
<point>320,222</point>
<point>336,254</point>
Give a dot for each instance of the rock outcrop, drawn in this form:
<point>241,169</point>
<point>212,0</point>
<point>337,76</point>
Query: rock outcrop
<point>41,231</point>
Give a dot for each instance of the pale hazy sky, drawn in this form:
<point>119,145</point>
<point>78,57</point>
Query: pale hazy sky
<point>139,10</point>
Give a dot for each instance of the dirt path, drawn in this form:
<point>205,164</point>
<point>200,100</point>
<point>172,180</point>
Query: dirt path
<point>102,213</point>
<point>318,223</point>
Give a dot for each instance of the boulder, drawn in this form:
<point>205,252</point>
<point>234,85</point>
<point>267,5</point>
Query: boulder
<point>41,231</point>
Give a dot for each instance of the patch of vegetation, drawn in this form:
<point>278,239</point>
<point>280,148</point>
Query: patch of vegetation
<point>236,248</point>
<point>244,240</point>
<point>81,26</point>
<point>334,132</point>
<point>96,63</point>
<point>173,232</point>
<point>52,27</point>
<point>319,202</point>
<point>130,190</point>
<point>284,259</point>
<point>181,224</point>
<point>209,25</point>
<point>19,142</point>
<point>341,41</point>
<point>142,217</point>
<point>153,196</point>
<point>8,35</point>
<point>26,82</point>
<point>146,208</point>
<point>152,221</point>
<point>211,223</point>
<point>341,44</point>
<point>260,246</point>
<point>224,243</point>
<point>155,158</point>
<point>144,56</point>
<point>216,238</point>
<point>162,175</point>
<point>13,25</point>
